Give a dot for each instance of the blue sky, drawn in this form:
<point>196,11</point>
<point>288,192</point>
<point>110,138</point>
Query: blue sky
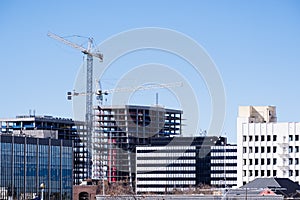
<point>255,45</point>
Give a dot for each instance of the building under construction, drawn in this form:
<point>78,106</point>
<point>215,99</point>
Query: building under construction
<point>119,129</point>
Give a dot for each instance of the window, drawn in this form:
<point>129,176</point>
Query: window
<point>262,138</point>
<point>290,161</point>
<point>262,150</point>
<point>250,173</point>
<point>296,161</point>
<point>244,162</point>
<point>290,172</point>
<point>268,137</point>
<point>250,161</point>
<point>244,138</point>
<point>274,161</point>
<point>262,161</point>
<point>296,172</point>
<point>256,161</point>
<point>256,149</point>
<point>244,172</point>
<point>250,149</point>
<point>268,172</point>
<point>244,150</point>
<point>274,149</point>
<point>262,173</point>
<point>290,138</point>
<point>256,138</point>
<point>296,149</point>
<point>268,149</point>
<point>256,172</point>
<point>274,137</point>
<point>296,137</point>
<point>250,138</point>
<point>268,161</point>
<point>290,149</point>
<point>274,173</point>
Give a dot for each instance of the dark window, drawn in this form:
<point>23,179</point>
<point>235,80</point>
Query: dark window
<point>268,149</point>
<point>262,173</point>
<point>268,161</point>
<point>290,138</point>
<point>244,150</point>
<point>296,149</point>
<point>250,138</point>
<point>296,172</point>
<point>268,172</point>
<point>274,137</point>
<point>256,138</point>
<point>250,161</point>
<point>290,149</point>
<point>290,161</point>
<point>274,149</point>
<point>256,149</point>
<point>244,138</point>
<point>268,137</point>
<point>250,149</point>
<point>262,149</point>
<point>274,161</point>
<point>296,161</point>
<point>274,173</point>
<point>262,138</point>
<point>256,161</point>
<point>256,172</point>
<point>296,137</point>
<point>262,161</point>
<point>250,173</point>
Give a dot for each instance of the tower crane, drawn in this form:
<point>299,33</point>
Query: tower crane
<point>101,93</point>
<point>90,53</point>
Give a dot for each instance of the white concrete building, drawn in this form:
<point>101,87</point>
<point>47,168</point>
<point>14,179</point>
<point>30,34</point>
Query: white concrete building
<point>266,148</point>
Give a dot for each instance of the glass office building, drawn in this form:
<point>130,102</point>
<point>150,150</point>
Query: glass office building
<point>26,163</point>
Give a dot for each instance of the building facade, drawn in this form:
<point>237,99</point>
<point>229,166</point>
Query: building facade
<point>55,128</point>
<point>26,163</point>
<point>266,148</point>
<point>184,162</point>
<point>223,165</point>
<point>163,169</point>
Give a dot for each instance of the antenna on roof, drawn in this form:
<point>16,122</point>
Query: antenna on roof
<point>156,98</point>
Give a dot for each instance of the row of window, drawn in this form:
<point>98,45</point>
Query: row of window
<point>262,138</point>
<point>268,138</point>
<point>269,173</point>
<point>262,149</point>
<point>292,161</point>
<point>262,161</point>
<point>262,173</point>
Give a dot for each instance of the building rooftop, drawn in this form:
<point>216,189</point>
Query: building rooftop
<point>282,186</point>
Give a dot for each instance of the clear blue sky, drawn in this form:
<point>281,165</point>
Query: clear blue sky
<point>255,45</point>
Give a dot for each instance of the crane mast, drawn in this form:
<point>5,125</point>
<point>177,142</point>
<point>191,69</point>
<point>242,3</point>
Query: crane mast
<point>89,92</point>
